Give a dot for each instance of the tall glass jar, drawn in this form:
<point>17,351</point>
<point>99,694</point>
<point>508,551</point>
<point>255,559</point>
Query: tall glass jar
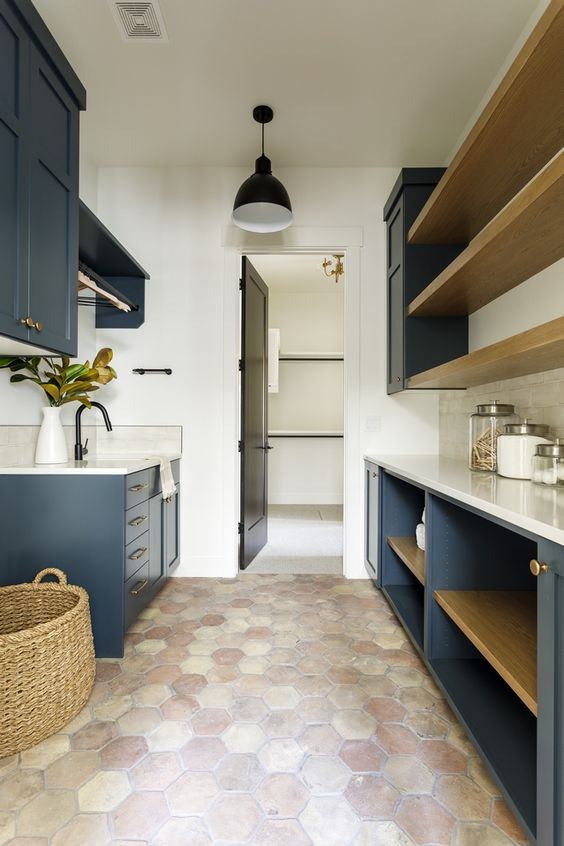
<point>486,424</point>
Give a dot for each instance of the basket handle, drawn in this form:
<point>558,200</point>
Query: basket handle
<point>50,571</point>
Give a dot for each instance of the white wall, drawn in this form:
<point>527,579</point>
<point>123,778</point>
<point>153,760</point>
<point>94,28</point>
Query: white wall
<point>172,221</point>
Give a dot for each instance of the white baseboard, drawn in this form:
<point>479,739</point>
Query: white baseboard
<point>322,498</point>
<point>200,567</point>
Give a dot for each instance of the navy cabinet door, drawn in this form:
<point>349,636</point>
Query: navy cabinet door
<point>550,695</point>
<point>171,531</point>
<point>396,311</point>
<point>53,212</point>
<point>14,134</point>
<point>157,569</point>
<point>372,521</point>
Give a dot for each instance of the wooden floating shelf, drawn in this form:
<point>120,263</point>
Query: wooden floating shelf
<point>519,131</point>
<point>522,240</point>
<point>533,351</point>
<point>502,625</point>
<point>411,555</point>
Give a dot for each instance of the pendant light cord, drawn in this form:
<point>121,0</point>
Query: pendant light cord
<point>262,129</point>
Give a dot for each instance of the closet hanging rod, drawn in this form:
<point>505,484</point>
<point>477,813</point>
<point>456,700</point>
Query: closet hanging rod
<point>107,286</point>
<point>92,301</point>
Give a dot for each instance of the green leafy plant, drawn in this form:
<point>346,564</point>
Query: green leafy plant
<point>64,382</point>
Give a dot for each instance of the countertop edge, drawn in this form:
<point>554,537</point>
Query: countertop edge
<point>101,465</point>
<point>400,465</point>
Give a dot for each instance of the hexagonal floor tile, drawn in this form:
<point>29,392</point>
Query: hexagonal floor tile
<point>192,793</point>
<point>233,818</point>
<point>240,772</point>
<point>282,795</point>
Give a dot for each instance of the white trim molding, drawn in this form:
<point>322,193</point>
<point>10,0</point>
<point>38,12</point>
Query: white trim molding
<point>236,243</point>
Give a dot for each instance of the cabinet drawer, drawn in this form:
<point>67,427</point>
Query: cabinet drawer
<point>136,554</point>
<point>137,488</point>
<point>136,594</point>
<point>136,521</point>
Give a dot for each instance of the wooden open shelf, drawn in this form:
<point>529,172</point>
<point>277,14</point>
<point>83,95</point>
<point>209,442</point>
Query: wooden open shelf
<point>502,625</point>
<point>533,351</point>
<point>519,131</point>
<point>411,555</point>
<point>522,240</point>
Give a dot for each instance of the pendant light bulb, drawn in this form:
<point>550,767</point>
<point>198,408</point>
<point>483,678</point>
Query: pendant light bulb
<point>262,203</point>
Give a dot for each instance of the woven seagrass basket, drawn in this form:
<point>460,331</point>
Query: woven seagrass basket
<point>47,663</point>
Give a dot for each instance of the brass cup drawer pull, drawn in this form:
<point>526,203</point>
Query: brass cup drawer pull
<point>537,567</point>
<point>139,553</point>
<point>137,488</point>
<point>138,587</point>
<point>137,521</point>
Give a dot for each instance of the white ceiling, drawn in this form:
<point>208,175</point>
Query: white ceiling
<point>352,82</point>
<point>300,273</point>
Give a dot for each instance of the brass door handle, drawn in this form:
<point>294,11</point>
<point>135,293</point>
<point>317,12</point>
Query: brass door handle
<point>137,521</point>
<point>137,588</point>
<point>137,488</point>
<point>139,553</point>
<point>537,567</point>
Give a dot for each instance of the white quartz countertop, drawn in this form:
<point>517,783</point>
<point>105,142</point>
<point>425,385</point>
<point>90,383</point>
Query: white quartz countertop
<point>116,465</point>
<point>537,508</point>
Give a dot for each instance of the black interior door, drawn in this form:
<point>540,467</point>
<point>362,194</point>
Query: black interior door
<point>254,415</point>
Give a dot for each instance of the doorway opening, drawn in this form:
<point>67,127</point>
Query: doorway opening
<point>297,528</point>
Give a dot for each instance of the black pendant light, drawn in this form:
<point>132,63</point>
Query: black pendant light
<point>262,203</point>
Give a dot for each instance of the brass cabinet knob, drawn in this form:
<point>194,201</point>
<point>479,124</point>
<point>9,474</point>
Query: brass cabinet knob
<point>38,325</point>
<point>536,567</point>
<point>374,474</point>
<point>28,321</point>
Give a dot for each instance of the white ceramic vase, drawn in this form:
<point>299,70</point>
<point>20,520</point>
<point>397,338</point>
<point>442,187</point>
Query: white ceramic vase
<point>51,444</point>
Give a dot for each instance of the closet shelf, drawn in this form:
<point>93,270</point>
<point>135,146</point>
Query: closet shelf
<point>518,132</point>
<point>502,625</point>
<point>533,351</point>
<point>298,356</point>
<point>413,557</point>
<point>522,240</point>
<point>282,433</point>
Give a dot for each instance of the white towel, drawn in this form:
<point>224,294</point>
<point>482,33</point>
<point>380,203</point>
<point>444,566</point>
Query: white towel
<point>168,485</point>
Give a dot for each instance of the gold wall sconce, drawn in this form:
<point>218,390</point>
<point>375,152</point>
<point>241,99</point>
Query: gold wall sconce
<point>336,271</point>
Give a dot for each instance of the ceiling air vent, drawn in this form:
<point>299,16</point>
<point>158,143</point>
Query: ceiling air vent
<point>139,21</point>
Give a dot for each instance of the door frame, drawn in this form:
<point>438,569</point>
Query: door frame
<point>237,242</point>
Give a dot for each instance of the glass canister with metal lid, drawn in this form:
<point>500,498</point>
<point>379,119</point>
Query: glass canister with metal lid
<point>516,448</point>
<point>486,424</point>
<point>548,464</point>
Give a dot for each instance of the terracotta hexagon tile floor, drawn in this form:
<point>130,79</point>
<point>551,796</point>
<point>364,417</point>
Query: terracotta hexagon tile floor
<point>265,710</point>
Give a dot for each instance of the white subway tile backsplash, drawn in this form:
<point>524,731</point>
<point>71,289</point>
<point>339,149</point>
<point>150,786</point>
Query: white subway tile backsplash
<point>17,443</point>
<point>538,396</point>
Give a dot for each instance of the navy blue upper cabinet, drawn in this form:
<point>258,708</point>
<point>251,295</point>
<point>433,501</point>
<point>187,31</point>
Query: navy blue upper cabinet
<point>416,343</point>
<point>40,99</point>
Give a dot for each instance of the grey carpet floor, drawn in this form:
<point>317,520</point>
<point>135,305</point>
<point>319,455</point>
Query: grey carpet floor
<point>302,539</point>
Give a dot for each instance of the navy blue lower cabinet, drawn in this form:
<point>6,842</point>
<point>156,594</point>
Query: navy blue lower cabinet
<point>106,532</point>
<point>550,751</point>
<point>491,633</point>
<point>372,521</point>
<point>402,564</point>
